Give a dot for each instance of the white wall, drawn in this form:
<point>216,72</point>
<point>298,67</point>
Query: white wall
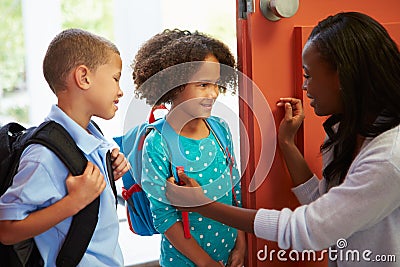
<point>42,21</point>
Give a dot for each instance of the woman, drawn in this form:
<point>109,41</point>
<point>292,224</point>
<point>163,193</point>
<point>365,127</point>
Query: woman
<point>352,74</point>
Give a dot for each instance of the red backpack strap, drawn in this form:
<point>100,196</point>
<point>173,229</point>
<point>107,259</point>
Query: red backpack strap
<point>151,117</point>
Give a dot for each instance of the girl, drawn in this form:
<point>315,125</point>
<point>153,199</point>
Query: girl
<point>188,71</point>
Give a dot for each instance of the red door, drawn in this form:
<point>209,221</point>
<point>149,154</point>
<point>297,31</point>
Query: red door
<point>269,52</point>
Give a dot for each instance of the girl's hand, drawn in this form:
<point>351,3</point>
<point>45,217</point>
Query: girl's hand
<point>238,253</point>
<point>290,124</point>
<point>119,163</point>
<point>236,258</point>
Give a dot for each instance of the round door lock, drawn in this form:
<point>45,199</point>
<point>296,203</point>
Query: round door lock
<point>276,9</point>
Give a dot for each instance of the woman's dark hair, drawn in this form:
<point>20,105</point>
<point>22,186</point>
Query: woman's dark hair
<point>158,83</point>
<point>368,64</point>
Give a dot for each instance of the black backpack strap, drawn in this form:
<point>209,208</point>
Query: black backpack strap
<point>111,176</point>
<point>110,170</point>
<point>79,235</point>
<point>53,136</point>
<point>56,138</point>
<point>97,126</point>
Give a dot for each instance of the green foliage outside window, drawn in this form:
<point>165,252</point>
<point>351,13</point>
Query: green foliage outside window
<point>95,16</point>
<point>11,46</point>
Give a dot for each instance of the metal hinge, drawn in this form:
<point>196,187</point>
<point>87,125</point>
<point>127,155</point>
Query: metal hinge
<point>245,7</point>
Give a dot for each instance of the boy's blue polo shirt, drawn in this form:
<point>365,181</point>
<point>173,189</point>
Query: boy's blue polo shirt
<point>40,182</point>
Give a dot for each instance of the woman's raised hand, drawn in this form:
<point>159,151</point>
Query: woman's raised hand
<point>294,116</point>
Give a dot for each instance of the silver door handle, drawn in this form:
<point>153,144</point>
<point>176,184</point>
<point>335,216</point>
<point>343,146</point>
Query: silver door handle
<point>276,9</point>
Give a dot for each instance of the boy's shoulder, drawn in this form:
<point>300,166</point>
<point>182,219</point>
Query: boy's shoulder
<point>41,170</point>
<point>41,155</point>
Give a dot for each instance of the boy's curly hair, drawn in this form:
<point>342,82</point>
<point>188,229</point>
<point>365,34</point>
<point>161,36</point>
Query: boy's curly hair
<point>170,48</point>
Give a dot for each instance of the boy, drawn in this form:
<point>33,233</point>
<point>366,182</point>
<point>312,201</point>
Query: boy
<point>83,70</point>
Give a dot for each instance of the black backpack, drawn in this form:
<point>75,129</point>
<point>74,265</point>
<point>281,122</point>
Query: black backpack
<point>14,139</point>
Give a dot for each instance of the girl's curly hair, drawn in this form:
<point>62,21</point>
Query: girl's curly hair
<point>173,47</point>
